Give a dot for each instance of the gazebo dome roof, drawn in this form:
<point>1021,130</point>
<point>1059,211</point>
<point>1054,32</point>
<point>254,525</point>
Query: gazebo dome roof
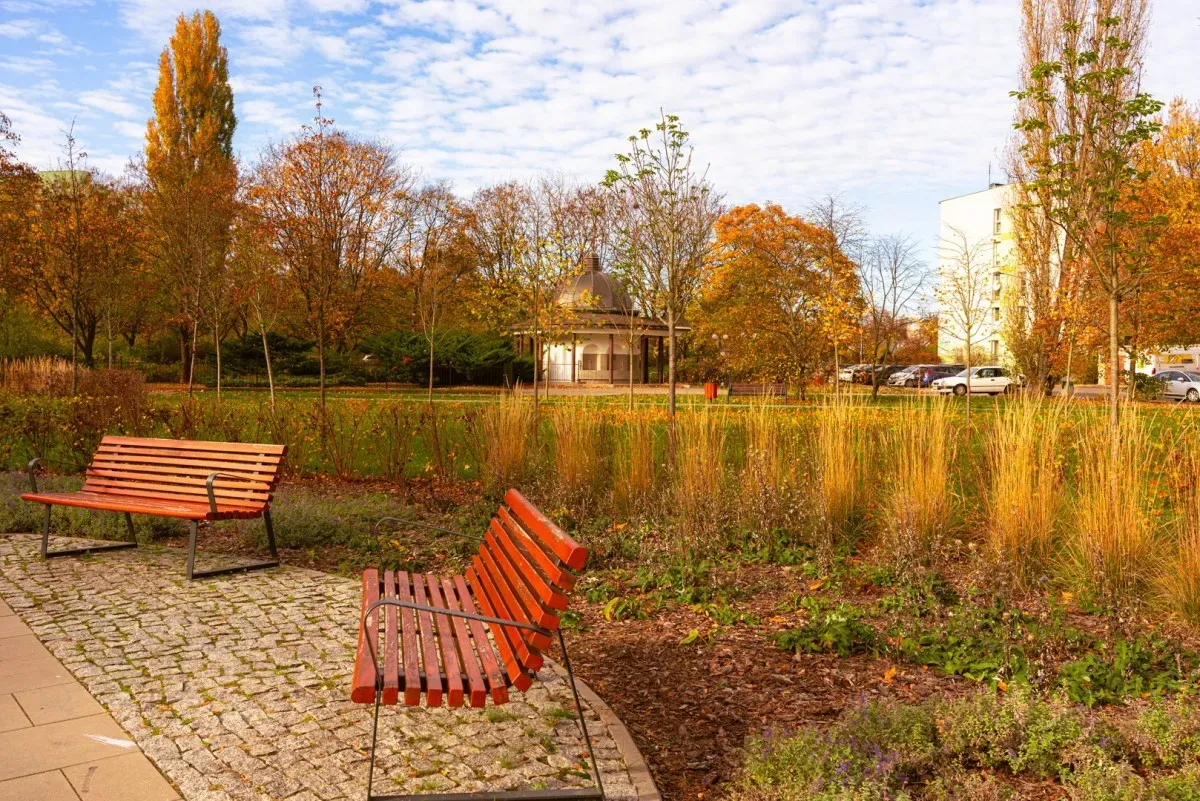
<point>594,290</point>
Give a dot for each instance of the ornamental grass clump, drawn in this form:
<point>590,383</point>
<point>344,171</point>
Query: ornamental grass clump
<point>500,434</point>
<point>769,499</point>
<point>700,488</point>
<point>917,506</point>
<point>634,466</point>
<point>1114,540</point>
<point>1025,484</point>
<point>1179,573</point>
<point>840,451</point>
<point>578,453</point>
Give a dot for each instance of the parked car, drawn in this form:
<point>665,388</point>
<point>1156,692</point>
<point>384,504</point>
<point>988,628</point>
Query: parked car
<point>990,380</point>
<point>912,376</point>
<point>867,371</point>
<point>1180,384</point>
<point>932,373</point>
<point>846,374</point>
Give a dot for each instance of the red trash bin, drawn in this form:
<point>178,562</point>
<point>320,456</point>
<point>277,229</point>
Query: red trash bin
<point>710,390</point>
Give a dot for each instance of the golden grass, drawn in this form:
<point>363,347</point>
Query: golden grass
<point>842,458</point>
<point>918,503</point>
<point>578,452</point>
<point>634,470</point>
<point>769,481</point>
<point>501,434</point>
<point>1114,540</point>
<point>36,375</point>
<point>1179,572</point>
<point>1025,488</point>
<point>700,479</point>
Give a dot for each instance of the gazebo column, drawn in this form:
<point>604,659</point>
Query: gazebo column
<point>572,358</point>
<point>645,359</point>
<point>660,360</point>
<point>611,379</point>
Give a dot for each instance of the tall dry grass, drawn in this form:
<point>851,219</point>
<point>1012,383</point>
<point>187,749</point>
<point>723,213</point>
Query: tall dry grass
<point>768,489</point>
<point>841,455</point>
<point>578,453</point>
<point>500,434</point>
<point>1179,571</point>
<point>36,375</point>
<point>1025,493</point>
<point>1113,542</point>
<point>701,486</point>
<point>634,467</point>
<point>918,503</point>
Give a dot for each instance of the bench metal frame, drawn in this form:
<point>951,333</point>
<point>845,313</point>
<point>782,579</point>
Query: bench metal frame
<point>564,794</point>
<point>49,554</point>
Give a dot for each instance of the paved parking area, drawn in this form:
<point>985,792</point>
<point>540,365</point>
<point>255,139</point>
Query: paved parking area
<point>236,688</point>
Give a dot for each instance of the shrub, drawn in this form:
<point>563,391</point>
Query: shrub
<point>838,631</point>
<point>1015,731</point>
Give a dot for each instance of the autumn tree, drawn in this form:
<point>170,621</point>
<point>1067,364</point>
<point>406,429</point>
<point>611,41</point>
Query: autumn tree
<point>1084,119</point>
<point>843,252</point>
<point>333,205</point>
<point>763,304</point>
<point>256,267</point>
<point>435,262</point>
<point>665,210</point>
<point>891,276</point>
<point>964,291</point>
<point>19,188</point>
<point>190,172</point>
<point>82,246</point>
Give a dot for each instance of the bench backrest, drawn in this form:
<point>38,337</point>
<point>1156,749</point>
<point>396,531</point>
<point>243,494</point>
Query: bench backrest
<point>523,572</point>
<point>176,470</point>
<point>758,389</point>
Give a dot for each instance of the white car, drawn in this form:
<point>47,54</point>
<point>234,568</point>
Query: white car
<point>989,380</point>
<point>1180,384</point>
<point>846,374</point>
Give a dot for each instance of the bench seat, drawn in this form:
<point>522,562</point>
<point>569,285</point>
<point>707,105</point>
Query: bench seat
<point>113,502</point>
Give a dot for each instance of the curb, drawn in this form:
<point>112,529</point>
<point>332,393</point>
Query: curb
<point>635,763</point>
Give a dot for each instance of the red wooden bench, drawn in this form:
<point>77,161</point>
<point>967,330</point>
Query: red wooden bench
<point>460,639</point>
<point>187,479</point>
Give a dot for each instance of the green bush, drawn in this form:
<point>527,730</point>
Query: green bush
<point>838,631</point>
<point>1014,731</point>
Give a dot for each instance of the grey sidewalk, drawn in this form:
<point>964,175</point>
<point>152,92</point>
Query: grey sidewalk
<point>56,742</point>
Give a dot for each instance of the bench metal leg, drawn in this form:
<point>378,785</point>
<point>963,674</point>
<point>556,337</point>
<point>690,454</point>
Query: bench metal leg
<point>193,573</point>
<point>566,794</point>
<point>49,554</point>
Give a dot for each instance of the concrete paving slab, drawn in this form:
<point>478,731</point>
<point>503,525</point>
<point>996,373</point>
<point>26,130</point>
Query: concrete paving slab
<point>26,646</point>
<point>130,777</point>
<point>25,752</point>
<point>11,716</point>
<point>60,702</point>
<point>11,626</point>
<point>28,674</point>
<point>52,786</point>
<point>4,609</point>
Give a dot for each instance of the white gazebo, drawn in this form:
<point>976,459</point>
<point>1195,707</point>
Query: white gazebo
<point>602,337</point>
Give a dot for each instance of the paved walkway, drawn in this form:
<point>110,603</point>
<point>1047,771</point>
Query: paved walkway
<point>56,742</point>
<point>237,688</point>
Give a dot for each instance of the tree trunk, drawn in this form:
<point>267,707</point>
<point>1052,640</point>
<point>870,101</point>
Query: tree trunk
<point>74,351</point>
<point>267,355</point>
<point>191,379</point>
<point>1114,369</point>
<point>671,386</point>
<point>217,347</point>
<point>968,360</point>
<point>431,371</point>
<point>321,358</point>
<point>108,335</point>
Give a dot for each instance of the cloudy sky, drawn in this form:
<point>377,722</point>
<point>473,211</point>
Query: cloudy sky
<point>894,104</point>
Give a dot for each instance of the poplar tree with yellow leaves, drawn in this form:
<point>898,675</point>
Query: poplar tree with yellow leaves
<point>191,175</point>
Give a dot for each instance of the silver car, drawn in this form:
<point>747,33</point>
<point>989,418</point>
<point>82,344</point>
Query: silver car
<point>1180,384</point>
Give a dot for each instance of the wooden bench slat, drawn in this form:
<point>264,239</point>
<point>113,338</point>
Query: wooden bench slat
<point>483,646</point>
<point>391,670</point>
<point>445,637</point>
<point>177,490</point>
<point>515,587</point>
<point>550,566</point>
<point>514,651</point>
<point>466,648</point>
<point>553,538</point>
<point>196,445</point>
<point>362,690</point>
<point>191,457</point>
<point>408,643</point>
<point>135,504</point>
<point>175,475</point>
<point>547,594</point>
<point>510,600</point>
<point>433,673</point>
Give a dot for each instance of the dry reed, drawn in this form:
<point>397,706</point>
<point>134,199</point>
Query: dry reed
<point>1025,491</point>
<point>1113,540</point>
<point>578,453</point>
<point>769,484</point>
<point>500,434</point>
<point>634,464</point>
<point>36,375</point>
<point>1179,572</point>
<point>700,479</point>
<point>840,454</point>
<point>918,502</point>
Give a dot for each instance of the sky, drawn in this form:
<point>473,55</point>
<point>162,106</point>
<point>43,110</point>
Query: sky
<point>892,104</point>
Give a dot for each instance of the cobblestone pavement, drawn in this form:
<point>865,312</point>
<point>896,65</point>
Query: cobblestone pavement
<point>238,687</point>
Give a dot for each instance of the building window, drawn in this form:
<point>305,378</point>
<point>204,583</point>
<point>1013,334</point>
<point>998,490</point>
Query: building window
<point>996,222</point>
<point>995,349</point>
<point>996,313</point>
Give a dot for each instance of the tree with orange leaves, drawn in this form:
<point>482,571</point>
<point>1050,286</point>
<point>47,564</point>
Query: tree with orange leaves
<point>765,305</point>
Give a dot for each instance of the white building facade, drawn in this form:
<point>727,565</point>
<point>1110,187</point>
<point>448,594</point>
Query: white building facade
<point>979,222</point>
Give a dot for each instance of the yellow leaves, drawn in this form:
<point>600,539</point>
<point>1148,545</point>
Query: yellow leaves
<point>889,675</point>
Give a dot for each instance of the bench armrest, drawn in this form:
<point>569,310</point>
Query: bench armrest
<point>212,495</point>
<point>418,523</point>
<point>32,467</point>
<point>437,610</point>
